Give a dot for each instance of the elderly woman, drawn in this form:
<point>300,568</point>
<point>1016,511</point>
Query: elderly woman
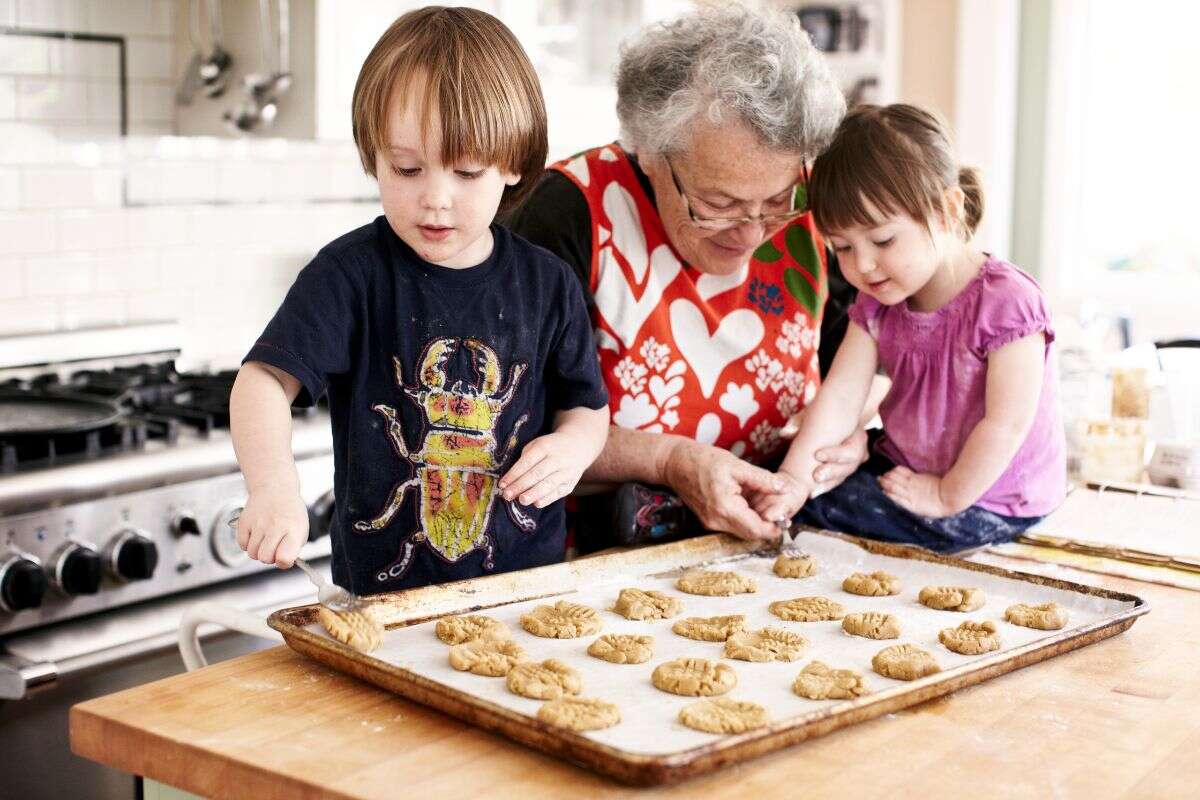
<point>711,288</point>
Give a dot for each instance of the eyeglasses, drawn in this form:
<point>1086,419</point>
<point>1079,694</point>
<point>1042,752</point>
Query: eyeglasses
<point>799,205</point>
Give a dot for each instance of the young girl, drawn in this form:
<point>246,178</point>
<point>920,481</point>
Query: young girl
<point>972,450</point>
<point>463,385</point>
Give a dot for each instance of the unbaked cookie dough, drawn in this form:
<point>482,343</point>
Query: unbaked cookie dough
<point>710,629</point>
<point>694,676</point>
<point>719,584</point>
<point>807,609</point>
<point>872,625</point>
<point>1046,617</point>
<point>818,681</point>
<point>622,648</point>
<point>563,620</point>
<point>355,628</point>
<point>765,644</point>
<point>646,604</point>
<point>797,566</point>
<point>952,598</point>
<point>492,658</point>
<point>580,714</point>
<point>550,680</point>
<point>904,662</point>
<point>723,715</point>
<point>456,630</point>
<point>876,584</point>
<point>971,638</point>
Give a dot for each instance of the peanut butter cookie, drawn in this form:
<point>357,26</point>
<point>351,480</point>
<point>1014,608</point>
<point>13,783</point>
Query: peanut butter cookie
<point>952,598</point>
<point>549,680</point>
<point>492,658</point>
<point>710,629</point>
<point>456,630</point>
<point>904,662</point>
<point>818,682</point>
<point>872,625</point>
<point>1046,617</point>
<point>620,648</point>
<point>971,638</point>
<point>694,676</point>
<point>562,620</point>
<point>722,715</point>
<point>718,584</point>
<point>797,566</point>
<point>646,604</point>
<point>356,628</point>
<point>807,609</point>
<point>580,714</point>
<point>876,584</point>
<point>765,644</point>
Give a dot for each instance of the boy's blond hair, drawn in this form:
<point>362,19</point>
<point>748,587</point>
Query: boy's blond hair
<point>478,78</point>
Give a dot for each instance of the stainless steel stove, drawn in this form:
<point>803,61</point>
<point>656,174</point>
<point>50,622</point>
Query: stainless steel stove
<point>117,479</point>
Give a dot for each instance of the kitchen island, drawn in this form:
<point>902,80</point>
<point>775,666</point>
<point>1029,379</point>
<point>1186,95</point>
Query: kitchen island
<point>1114,719</point>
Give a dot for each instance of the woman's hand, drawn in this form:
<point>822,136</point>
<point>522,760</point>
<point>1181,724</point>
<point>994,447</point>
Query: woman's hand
<point>716,485</point>
<point>835,463</point>
<point>273,526</point>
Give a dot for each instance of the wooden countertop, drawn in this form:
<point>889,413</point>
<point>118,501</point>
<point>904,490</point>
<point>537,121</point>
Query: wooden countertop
<point>1114,719</point>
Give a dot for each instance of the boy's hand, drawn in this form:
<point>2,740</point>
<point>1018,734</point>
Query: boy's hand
<point>786,502</point>
<point>549,468</point>
<point>919,493</point>
<point>273,526</point>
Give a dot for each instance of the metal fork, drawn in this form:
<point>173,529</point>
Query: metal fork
<point>787,537</point>
<point>329,594</point>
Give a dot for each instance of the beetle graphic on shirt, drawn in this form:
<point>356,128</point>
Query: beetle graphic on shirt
<point>457,466</point>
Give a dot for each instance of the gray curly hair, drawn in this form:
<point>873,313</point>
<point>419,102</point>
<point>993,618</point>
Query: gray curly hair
<point>758,65</point>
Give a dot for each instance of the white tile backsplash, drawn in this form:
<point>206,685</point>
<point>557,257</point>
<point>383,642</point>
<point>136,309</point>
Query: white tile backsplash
<point>25,316</point>
<point>8,12</point>
<point>59,275</point>
<point>10,189</point>
<point>52,99</point>
<point>151,59</point>
<point>209,233</point>
<point>54,15</point>
<point>12,278</point>
<point>27,232</point>
<point>24,55</point>
<point>8,98</point>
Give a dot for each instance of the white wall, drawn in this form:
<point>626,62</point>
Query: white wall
<point>70,87</point>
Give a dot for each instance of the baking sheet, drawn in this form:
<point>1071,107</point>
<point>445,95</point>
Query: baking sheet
<point>649,725</point>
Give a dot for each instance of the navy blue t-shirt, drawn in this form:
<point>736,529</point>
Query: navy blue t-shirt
<point>437,378</point>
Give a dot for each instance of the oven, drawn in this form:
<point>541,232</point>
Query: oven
<point>117,480</point>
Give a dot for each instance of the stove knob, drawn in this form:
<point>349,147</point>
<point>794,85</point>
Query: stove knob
<point>186,524</point>
<point>320,516</point>
<point>78,570</point>
<point>22,584</point>
<point>132,557</point>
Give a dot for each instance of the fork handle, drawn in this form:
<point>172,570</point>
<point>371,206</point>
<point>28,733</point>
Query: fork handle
<point>317,580</point>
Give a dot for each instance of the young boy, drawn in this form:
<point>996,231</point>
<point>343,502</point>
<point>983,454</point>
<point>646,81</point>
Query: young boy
<point>446,344</point>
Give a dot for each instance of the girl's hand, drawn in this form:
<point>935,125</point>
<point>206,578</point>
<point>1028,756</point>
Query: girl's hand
<point>784,504</point>
<point>273,526</point>
<point>919,493</point>
<point>549,468</point>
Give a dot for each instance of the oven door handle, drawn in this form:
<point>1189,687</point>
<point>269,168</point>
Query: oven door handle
<point>217,614</point>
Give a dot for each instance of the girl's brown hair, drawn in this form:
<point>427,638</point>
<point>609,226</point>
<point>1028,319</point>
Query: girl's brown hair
<point>469,67</point>
<point>893,159</point>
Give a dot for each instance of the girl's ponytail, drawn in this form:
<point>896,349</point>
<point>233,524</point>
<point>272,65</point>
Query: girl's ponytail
<point>968,181</point>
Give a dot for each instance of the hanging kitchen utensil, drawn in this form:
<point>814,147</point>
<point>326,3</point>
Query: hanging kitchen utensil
<point>214,70</point>
<point>189,84</point>
<point>264,88</point>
